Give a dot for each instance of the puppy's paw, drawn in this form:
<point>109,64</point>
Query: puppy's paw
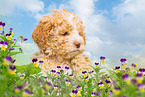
<point>81,63</point>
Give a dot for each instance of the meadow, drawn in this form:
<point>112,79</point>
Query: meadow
<point>124,80</point>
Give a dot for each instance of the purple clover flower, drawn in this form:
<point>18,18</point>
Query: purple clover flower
<point>26,83</point>
<point>61,71</point>
<point>74,91</point>
<point>48,83</point>
<point>13,61</point>
<point>98,93</point>
<point>11,29</point>
<point>125,76</point>
<point>138,75</point>
<point>96,63</point>
<point>123,60</point>
<point>40,81</point>
<point>3,24</point>
<point>3,43</point>
<point>110,93</point>
<point>133,65</point>
<point>25,39</point>
<point>55,85</point>
<point>34,60</point>
<point>0,24</point>
<point>102,57</point>
<point>104,77</point>
<point>139,85</point>
<point>2,32</point>
<point>93,94</point>
<point>28,92</point>
<point>91,72</point>
<point>66,67</point>
<point>45,78</point>
<point>84,72</point>
<point>8,58</point>
<point>9,34</point>
<point>134,81</point>
<point>114,82</point>
<point>53,71</point>
<point>40,62</point>
<point>108,82</point>
<point>14,40</point>
<point>12,67</point>
<point>78,86</point>
<point>18,87</point>
<point>117,67</point>
<point>117,88</point>
<point>68,80</point>
<point>10,49</point>
<point>100,83</point>
<point>142,70</point>
<point>58,67</point>
<point>58,73</point>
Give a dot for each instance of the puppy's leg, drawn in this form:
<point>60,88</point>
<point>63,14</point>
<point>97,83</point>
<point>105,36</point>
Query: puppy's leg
<point>81,63</point>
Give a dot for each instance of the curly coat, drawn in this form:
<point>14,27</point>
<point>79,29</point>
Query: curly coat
<point>57,36</point>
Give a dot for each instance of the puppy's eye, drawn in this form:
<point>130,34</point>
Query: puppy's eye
<point>65,33</point>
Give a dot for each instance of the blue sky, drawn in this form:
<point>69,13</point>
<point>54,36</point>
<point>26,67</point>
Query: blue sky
<point>114,28</point>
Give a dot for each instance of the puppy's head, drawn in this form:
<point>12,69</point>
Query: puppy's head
<point>60,33</point>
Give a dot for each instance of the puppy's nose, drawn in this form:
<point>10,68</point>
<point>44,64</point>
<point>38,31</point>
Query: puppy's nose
<point>77,44</point>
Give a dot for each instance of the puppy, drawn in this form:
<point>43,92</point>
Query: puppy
<point>61,41</point>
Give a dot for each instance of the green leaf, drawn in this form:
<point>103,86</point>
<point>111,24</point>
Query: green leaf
<point>16,46</point>
<point>14,53</point>
<point>35,70</point>
<point>29,68</point>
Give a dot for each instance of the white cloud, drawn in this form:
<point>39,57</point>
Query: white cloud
<point>28,50</point>
<point>8,7</point>
<point>82,7</point>
<point>28,47</point>
<point>129,8</point>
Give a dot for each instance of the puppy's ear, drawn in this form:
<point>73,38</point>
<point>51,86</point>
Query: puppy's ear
<point>42,33</point>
